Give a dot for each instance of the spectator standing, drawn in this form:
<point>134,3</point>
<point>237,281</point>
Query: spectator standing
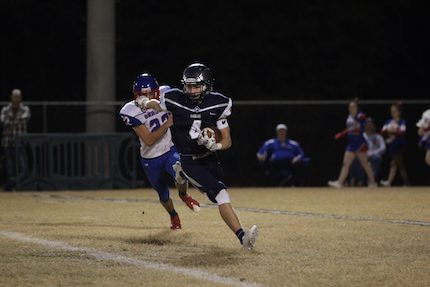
<point>14,120</point>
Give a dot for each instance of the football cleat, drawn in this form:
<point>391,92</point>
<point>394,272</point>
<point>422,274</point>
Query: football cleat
<point>176,222</point>
<point>193,204</point>
<point>248,240</point>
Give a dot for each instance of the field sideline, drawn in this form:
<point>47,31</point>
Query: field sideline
<point>308,237</point>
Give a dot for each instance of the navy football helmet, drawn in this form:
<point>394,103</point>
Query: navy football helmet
<point>146,85</point>
<point>197,80</point>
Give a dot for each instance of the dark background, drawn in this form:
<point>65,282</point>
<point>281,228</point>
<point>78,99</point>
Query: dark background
<point>257,50</point>
<point>286,50</point>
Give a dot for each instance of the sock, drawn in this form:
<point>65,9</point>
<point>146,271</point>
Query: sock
<point>173,213</point>
<point>182,193</point>
<point>240,233</point>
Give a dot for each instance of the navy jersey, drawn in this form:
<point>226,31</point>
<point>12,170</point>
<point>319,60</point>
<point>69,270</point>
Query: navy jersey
<point>189,117</point>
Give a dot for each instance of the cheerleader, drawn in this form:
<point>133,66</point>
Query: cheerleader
<point>394,131</point>
<point>357,146</point>
<point>424,132</point>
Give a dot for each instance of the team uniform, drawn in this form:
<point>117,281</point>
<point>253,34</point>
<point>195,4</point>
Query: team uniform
<point>394,131</point>
<point>200,165</point>
<point>424,131</point>
<point>357,147</point>
<point>158,158</point>
<point>424,124</point>
<point>354,130</point>
<point>195,109</point>
<point>424,141</point>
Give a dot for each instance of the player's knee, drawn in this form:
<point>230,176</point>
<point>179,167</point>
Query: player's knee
<point>222,197</point>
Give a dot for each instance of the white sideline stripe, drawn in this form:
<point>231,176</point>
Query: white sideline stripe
<point>101,255</point>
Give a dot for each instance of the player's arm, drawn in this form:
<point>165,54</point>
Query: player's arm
<point>225,138</point>
<point>148,137</point>
<point>224,128</point>
<point>153,104</point>
<point>158,105</point>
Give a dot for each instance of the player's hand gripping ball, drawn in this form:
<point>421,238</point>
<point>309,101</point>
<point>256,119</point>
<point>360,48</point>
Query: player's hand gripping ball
<point>209,139</point>
<point>211,134</point>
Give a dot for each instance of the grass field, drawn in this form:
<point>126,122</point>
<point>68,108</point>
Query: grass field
<point>308,237</point>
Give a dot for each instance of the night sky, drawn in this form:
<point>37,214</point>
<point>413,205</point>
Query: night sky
<point>256,49</point>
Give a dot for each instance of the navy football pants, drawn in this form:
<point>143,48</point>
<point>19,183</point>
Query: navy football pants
<point>206,174</point>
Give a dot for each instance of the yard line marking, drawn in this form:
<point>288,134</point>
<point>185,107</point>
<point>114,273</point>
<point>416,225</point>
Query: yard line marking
<point>101,255</point>
<point>337,216</point>
<point>272,211</point>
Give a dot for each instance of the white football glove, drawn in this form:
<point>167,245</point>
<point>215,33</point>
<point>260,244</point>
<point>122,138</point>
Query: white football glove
<point>211,144</point>
<point>201,139</point>
<point>141,101</point>
<point>208,141</point>
<point>153,104</point>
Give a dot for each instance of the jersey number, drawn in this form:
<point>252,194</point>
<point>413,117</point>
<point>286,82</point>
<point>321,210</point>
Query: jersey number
<point>154,124</point>
<point>195,129</point>
<point>126,120</point>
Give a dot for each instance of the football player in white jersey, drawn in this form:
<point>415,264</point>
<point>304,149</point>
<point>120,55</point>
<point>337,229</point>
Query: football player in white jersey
<point>157,153</point>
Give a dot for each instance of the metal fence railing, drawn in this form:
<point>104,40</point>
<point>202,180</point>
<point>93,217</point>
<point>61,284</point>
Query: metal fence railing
<point>76,161</point>
<point>311,123</point>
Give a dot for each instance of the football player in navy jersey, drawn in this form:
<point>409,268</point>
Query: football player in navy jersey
<point>157,152</point>
<point>196,109</point>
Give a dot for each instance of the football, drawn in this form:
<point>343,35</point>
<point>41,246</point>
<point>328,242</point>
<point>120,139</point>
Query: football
<point>210,132</point>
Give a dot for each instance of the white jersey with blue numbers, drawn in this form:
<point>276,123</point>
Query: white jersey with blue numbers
<point>134,116</point>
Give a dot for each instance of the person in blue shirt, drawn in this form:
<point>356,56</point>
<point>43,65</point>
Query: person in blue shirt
<point>280,156</point>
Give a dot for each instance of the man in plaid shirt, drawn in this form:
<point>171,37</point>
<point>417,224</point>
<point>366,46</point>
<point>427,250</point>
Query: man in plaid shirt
<point>14,119</point>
